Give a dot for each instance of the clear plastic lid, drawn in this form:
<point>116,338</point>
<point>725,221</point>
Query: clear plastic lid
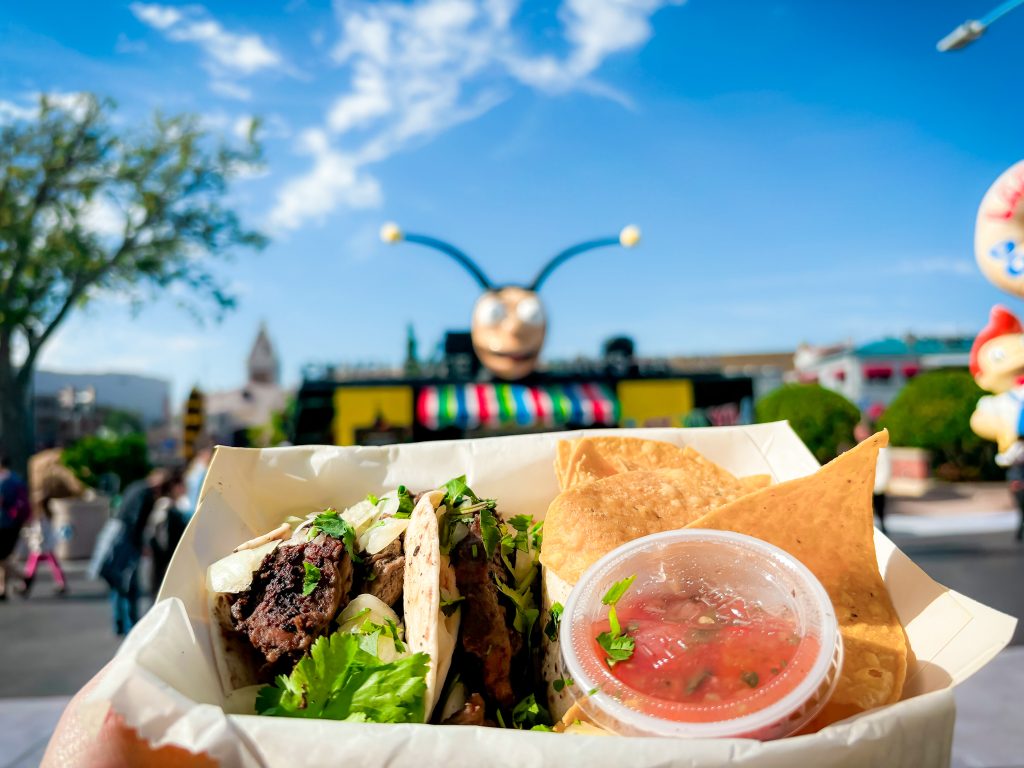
<point>717,602</point>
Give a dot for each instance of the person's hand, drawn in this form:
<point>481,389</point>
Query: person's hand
<point>91,735</point>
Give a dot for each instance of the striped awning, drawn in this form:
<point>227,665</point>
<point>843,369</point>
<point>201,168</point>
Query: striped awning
<point>475,406</point>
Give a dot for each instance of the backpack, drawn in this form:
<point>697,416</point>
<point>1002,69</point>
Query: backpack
<point>15,509</point>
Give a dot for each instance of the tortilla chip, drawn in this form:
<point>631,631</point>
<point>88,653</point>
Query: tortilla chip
<point>586,465</point>
<point>632,453</point>
<point>588,521</point>
<point>563,449</point>
<point>825,521</point>
<point>755,482</point>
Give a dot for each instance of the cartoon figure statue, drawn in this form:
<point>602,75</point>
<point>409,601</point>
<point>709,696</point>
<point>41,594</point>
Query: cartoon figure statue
<point>997,363</point>
<point>999,232</point>
<point>509,322</point>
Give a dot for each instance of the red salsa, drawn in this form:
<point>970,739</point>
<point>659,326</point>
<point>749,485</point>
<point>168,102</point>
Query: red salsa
<point>706,651</point>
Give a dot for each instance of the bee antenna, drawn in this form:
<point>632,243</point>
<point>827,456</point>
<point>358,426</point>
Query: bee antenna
<point>627,238</point>
<point>390,233</point>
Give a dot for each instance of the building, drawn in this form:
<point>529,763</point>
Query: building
<point>769,370</point>
<point>454,397</point>
<point>871,375</point>
<point>68,406</point>
<point>230,414</point>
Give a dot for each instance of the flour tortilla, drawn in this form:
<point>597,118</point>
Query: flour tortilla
<point>429,577</point>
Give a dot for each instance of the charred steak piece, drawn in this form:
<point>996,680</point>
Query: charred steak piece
<point>385,573</point>
<point>484,629</point>
<point>472,713</point>
<point>281,622</point>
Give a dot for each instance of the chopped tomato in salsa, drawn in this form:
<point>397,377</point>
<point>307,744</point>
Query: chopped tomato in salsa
<point>708,650</point>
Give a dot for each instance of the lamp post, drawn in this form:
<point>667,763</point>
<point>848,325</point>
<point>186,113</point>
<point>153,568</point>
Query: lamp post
<point>972,29</point>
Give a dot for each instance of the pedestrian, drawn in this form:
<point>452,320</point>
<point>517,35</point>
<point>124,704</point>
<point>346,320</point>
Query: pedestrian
<point>194,477</point>
<point>169,518</point>
<point>120,568</point>
<point>883,472</point>
<point>15,511</point>
<point>42,542</point>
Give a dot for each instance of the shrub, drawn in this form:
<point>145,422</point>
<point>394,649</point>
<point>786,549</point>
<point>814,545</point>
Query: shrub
<point>92,457</point>
<point>934,412</point>
<point>823,419</point>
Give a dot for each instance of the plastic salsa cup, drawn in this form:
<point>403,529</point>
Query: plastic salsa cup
<point>730,637</point>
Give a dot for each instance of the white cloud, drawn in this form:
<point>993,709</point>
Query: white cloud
<point>417,69</point>
<point>335,180</point>
<point>228,54</point>
<point>231,90</point>
<point>74,102</point>
<point>12,112</point>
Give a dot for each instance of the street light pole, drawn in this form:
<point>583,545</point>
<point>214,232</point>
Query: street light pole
<point>972,29</point>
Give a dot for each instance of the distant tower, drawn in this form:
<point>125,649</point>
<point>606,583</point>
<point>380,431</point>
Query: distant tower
<point>412,363</point>
<point>264,367</point>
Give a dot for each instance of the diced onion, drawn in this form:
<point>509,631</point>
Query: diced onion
<point>360,516</point>
<point>376,610</point>
<point>455,702</point>
<point>382,534</point>
<point>388,506</point>
<point>365,608</point>
<point>233,573</point>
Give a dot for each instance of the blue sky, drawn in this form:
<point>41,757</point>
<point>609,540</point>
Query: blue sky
<point>801,171</point>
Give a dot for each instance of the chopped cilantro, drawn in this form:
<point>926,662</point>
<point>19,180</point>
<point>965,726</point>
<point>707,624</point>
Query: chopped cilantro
<point>333,525</point>
<point>311,579</point>
<point>340,680</point>
<point>617,646</point>
<point>526,614</point>
<point>591,692</point>
<point>750,678</point>
<point>551,628</point>
<point>501,720</point>
<point>489,532</point>
<point>456,489</point>
<point>405,503</point>
<point>372,499</point>
<point>473,549</point>
<point>537,535</point>
<point>561,684</point>
<point>528,713</point>
<point>450,605</point>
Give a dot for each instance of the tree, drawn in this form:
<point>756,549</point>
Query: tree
<point>94,456</point>
<point>933,411</point>
<point>160,195</point>
<point>823,419</point>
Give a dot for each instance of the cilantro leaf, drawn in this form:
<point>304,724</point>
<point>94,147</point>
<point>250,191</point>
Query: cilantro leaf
<point>450,605</point>
<point>490,533</point>
<point>405,503</point>
<point>528,713</point>
<point>333,525</point>
<point>561,684</point>
<point>617,647</point>
<point>339,680</point>
<point>551,628</point>
<point>456,489</point>
<point>311,579</point>
<point>372,499</point>
<point>526,614</point>
<point>617,590</point>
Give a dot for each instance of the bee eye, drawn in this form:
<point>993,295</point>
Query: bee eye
<point>490,310</point>
<point>530,311</point>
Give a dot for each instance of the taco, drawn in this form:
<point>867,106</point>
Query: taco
<point>337,615</point>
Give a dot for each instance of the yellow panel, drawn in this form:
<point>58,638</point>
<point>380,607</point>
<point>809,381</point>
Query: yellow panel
<point>360,407</point>
<point>655,403</point>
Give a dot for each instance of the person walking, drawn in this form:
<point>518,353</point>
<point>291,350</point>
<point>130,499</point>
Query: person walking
<point>169,519</point>
<point>120,567</point>
<point>42,543</point>
<point>15,511</point>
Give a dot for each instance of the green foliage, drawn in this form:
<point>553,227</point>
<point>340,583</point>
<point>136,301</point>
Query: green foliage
<point>933,411</point>
<point>88,206</point>
<point>92,457</point>
<point>823,419</point>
